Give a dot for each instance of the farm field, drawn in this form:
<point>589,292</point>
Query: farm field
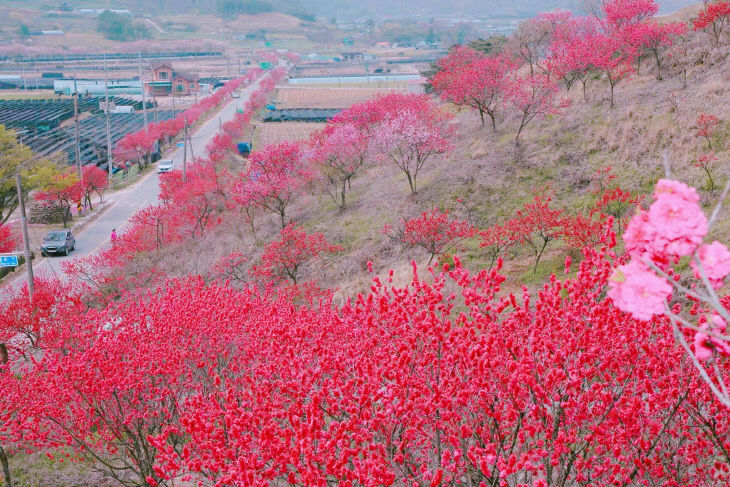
<point>272,133</point>
<point>325,96</point>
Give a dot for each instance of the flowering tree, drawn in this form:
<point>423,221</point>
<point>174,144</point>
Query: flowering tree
<point>275,174</point>
<point>136,146</point>
<point>536,225</point>
<point>534,96</point>
<point>570,53</point>
<point>198,198</point>
<point>481,85</point>
<point>434,231</point>
<point>7,239</point>
<point>706,162</point>
<point>478,386</point>
<point>285,258</point>
<point>658,38</point>
<point>616,203</point>
<point>604,53</point>
<point>496,239</point>
<point>706,126</point>
<point>64,190</point>
<point>713,19</point>
<point>619,13</point>
<point>340,152</point>
<point>672,228</point>
<point>412,131</point>
<point>93,180</point>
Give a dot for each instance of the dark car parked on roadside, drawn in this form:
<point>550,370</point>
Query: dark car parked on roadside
<point>58,242</point>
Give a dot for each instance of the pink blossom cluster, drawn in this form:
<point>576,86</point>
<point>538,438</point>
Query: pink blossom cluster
<point>674,226</point>
<point>706,342</point>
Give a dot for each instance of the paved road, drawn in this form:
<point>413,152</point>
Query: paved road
<point>95,235</point>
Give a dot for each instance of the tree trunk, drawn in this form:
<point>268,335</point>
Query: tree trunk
<point>539,255</point>
<point>342,194</point>
<point>584,82</point>
<point>494,122</point>
<point>658,65</point>
<point>710,182</point>
<point>411,182</point>
<point>611,83</point>
<point>6,468</point>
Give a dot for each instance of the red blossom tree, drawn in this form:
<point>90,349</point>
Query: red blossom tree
<point>93,180</point>
<point>658,38</point>
<point>7,239</point>
<point>285,258</point>
<point>620,13</point>
<point>434,231</point>
<point>706,126</point>
<point>713,19</point>
<point>65,190</point>
<point>496,239</point>
<point>481,85</point>
<point>707,162</point>
<point>136,147</point>
<point>604,52</point>
<point>536,225</point>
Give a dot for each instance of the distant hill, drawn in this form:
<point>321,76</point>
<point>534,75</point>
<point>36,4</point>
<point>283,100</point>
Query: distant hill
<point>476,8</point>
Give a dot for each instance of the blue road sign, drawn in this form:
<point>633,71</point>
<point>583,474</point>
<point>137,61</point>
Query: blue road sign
<point>181,144</point>
<point>8,261</point>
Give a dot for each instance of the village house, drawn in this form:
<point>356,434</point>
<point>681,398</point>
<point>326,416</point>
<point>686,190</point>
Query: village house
<point>165,80</point>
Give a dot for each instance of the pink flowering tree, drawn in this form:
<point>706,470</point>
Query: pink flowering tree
<point>276,173</point>
<point>339,151</point>
<point>675,227</point>
<point>535,97</point>
<point>412,131</point>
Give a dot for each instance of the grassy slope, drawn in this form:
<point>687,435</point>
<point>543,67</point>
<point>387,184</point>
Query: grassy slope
<point>494,178</point>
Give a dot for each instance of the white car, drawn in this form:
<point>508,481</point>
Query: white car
<point>165,165</point>
<point>236,94</point>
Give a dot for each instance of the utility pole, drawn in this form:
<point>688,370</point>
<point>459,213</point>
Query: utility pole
<point>76,130</point>
<point>26,241</point>
<point>154,102</point>
<point>185,151</point>
<point>190,141</point>
<point>109,160</point>
<point>144,98</point>
<point>172,92</point>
